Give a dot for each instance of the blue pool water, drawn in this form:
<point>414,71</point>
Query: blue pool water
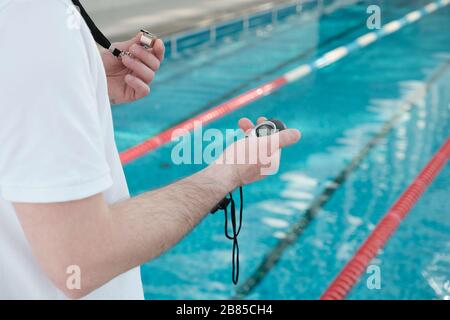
<point>338,109</point>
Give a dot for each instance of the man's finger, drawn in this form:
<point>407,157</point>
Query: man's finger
<point>245,124</point>
<point>159,49</point>
<point>141,89</point>
<point>137,38</point>
<point>261,120</point>
<point>145,56</point>
<point>127,44</point>
<point>139,69</point>
<point>287,137</point>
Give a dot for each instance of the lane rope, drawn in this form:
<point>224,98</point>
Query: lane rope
<point>296,74</point>
<point>351,273</point>
<point>274,255</point>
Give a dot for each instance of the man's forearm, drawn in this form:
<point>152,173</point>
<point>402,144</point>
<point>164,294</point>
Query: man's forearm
<point>108,241</point>
<point>147,225</point>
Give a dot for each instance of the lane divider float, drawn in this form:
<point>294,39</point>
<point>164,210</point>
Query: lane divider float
<point>297,228</point>
<point>295,74</point>
<point>351,273</point>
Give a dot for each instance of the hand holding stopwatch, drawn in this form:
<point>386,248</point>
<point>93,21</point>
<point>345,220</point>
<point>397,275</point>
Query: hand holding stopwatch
<point>263,129</point>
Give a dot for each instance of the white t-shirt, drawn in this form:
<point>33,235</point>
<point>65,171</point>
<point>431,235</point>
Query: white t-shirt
<point>56,135</point>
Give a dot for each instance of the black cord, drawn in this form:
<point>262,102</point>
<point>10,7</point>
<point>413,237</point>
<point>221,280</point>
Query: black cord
<point>235,230</point>
<point>99,37</point>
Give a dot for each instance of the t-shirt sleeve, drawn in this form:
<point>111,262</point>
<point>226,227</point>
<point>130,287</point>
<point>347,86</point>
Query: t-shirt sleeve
<point>51,140</point>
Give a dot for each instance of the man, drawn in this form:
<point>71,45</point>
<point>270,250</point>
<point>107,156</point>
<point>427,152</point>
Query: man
<point>64,203</point>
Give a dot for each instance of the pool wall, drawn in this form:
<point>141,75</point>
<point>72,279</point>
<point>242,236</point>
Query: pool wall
<point>184,42</point>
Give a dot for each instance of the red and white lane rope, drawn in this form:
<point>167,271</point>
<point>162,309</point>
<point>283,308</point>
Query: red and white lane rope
<point>351,273</point>
<point>213,114</point>
<point>296,74</point>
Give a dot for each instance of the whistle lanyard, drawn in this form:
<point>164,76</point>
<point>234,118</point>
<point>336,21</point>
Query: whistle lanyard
<point>99,37</point>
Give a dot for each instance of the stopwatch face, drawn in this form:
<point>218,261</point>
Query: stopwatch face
<point>265,130</point>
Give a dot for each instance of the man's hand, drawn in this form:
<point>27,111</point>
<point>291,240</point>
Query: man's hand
<point>105,241</point>
<point>129,77</point>
<point>251,159</point>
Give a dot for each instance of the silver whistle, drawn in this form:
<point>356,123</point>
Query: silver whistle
<point>147,39</point>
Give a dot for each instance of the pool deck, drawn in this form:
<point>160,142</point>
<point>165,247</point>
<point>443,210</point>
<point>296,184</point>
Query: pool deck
<point>167,17</point>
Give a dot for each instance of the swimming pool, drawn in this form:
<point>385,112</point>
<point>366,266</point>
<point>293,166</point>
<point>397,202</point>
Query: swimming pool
<point>338,109</point>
